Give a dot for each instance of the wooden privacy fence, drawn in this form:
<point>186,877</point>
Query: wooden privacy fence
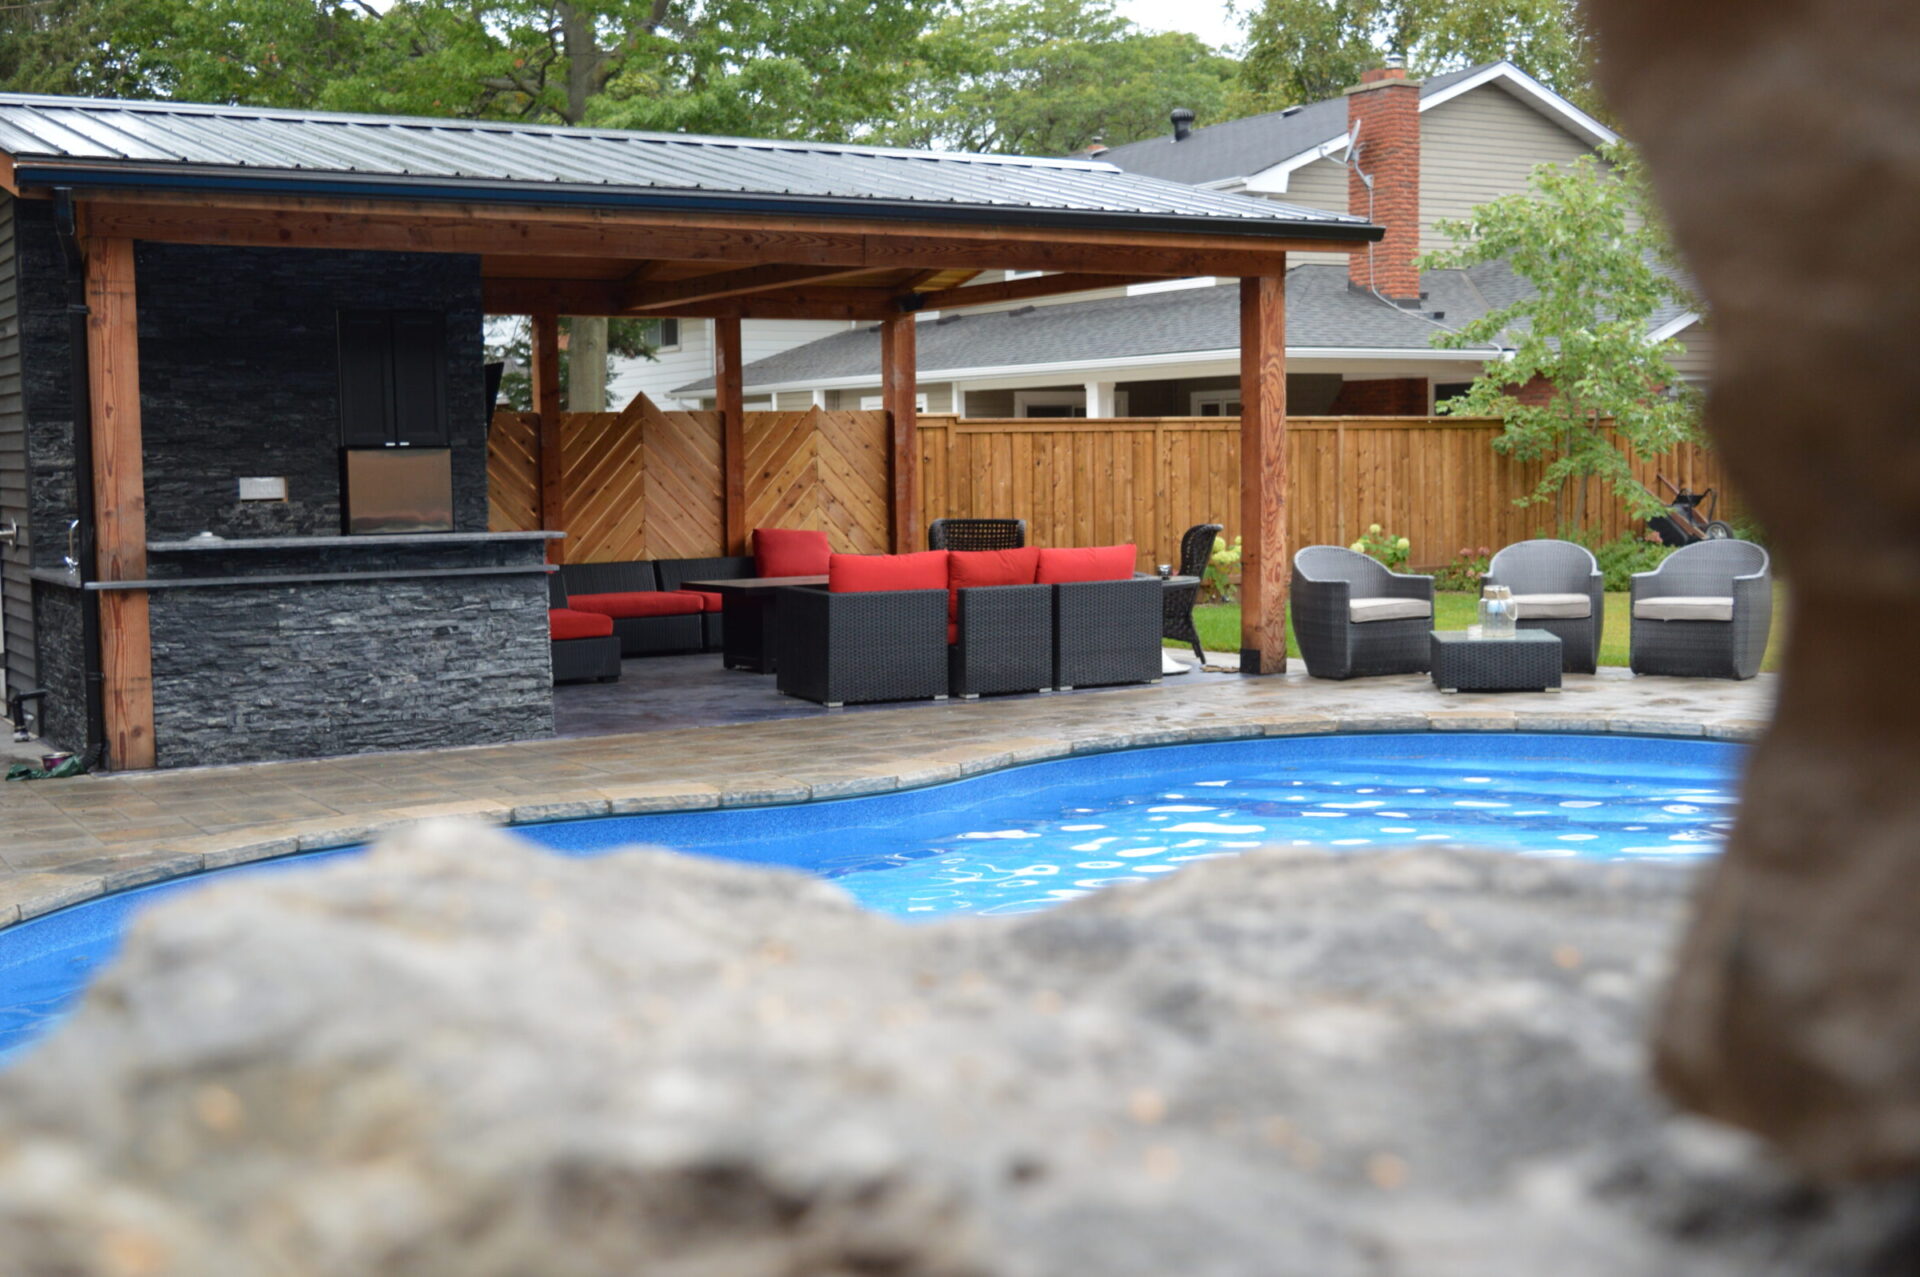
<point>645,483</point>
<point>1435,480</point>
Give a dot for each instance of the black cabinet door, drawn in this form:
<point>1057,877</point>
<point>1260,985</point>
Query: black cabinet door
<point>366,378</point>
<point>420,378</point>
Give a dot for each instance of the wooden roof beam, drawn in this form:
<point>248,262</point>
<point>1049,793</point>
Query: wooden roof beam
<point>730,283</point>
<point>514,296</point>
<point>603,234</point>
<point>1022,289</point>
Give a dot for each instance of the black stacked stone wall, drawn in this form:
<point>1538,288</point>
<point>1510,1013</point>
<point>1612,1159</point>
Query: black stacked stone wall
<point>61,672</point>
<point>245,674</point>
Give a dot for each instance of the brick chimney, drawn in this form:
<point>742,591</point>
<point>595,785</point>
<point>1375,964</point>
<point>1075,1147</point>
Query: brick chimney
<point>1383,111</point>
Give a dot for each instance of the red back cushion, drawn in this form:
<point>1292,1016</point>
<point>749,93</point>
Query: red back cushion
<point>970,569</point>
<point>1096,563</point>
<point>852,573</point>
<point>789,552</point>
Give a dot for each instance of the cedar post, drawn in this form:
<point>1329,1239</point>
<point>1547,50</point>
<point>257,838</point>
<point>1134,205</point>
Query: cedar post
<point>120,502</point>
<point>1264,570</point>
<point>730,399</point>
<point>546,403</point>
<point>898,395</point>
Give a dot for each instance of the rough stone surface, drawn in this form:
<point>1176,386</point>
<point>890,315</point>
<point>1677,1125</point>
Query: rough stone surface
<point>1796,1011</point>
<point>458,1056</point>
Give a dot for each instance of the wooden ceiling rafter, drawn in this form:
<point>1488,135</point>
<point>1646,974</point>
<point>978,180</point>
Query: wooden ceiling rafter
<point>775,276</point>
<point>1011,290</point>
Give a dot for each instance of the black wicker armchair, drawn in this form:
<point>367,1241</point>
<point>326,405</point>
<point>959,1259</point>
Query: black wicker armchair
<point>976,534</point>
<point>869,645</point>
<point>1176,606</point>
<point>1354,618</point>
<point>1106,632</point>
<point>1557,587</point>
<point>1704,613</point>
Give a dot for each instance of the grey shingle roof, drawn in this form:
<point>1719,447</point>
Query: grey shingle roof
<point>83,141</point>
<point>1240,148</point>
<point>1322,313</point>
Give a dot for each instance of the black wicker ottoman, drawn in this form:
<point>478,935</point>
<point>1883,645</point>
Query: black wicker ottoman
<point>584,660</point>
<point>1527,662</point>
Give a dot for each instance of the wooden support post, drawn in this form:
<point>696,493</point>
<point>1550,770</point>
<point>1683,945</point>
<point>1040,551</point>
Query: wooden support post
<point>120,502</point>
<point>1264,568</point>
<point>899,395</point>
<point>729,398</point>
<point>545,348</point>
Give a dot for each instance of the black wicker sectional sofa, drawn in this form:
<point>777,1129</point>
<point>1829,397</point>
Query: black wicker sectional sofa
<point>934,624</point>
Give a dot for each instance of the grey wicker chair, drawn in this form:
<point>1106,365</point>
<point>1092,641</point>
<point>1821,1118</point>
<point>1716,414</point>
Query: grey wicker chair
<point>1353,617</point>
<point>1557,587</point>
<point>1176,606</point>
<point>1704,613</point>
<point>976,534</point>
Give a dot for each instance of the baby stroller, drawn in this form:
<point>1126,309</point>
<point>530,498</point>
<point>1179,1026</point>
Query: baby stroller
<point>1684,523</point>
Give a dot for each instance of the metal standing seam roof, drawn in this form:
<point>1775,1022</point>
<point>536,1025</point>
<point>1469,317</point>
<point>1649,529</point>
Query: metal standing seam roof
<point>81,142</point>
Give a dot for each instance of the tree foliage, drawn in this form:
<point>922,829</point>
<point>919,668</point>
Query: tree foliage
<point>1304,50</point>
<point>1591,244</point>
<point>1049,77</point>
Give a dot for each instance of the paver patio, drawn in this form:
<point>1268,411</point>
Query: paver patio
<point>70,840</point>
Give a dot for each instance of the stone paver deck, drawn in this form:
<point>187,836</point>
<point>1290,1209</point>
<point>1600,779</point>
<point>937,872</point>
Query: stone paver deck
<point>66,841</point>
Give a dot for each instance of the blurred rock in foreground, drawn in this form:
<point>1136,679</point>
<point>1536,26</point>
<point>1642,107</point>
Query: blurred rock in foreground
<point>458,1056</point>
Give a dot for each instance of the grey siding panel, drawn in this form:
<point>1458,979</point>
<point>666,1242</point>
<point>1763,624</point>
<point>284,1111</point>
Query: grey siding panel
<point>1480,146</point>
<point>16,590</point>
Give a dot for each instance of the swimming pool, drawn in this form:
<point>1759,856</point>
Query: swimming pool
<point>1032,837</point>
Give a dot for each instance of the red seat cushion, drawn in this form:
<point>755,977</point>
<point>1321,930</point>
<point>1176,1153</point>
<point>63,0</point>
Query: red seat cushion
<point>854,573</point>
<point>639,603</point>
<point>1095,563</point>
<point>564,623</point>
<point>789,552</point>
<point>972,569</point>
<point>708,602</point>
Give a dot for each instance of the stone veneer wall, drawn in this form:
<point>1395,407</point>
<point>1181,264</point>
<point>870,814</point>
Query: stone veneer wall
<point>239,376</point>
<point>243,674</point>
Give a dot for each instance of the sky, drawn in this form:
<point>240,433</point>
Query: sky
<point>1208,19</point>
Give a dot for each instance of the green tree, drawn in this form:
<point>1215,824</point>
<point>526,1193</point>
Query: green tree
<point>1588,239</point>
<point>1304,50</point>
<point>1048,77</point>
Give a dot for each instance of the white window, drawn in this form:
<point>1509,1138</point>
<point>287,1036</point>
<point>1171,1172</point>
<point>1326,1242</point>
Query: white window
<point>873,403</point>
<point>665,335</point>
<point>1214,403</point>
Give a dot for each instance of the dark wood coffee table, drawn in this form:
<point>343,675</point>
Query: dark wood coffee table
<point>747,617</point>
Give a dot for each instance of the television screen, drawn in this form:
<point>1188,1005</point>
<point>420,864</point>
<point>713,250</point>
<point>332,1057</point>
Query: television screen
<point>391,490</point>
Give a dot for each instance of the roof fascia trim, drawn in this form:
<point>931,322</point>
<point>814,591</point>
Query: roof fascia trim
<point>1675,326</point>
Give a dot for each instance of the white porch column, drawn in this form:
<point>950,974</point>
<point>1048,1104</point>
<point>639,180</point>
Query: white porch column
<point>1100,399</point>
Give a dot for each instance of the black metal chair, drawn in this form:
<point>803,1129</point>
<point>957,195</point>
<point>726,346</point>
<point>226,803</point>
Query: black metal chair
<point>976,534</point>
<point>1176,606</point>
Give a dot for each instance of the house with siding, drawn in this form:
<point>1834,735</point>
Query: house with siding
<point>1402,153</point>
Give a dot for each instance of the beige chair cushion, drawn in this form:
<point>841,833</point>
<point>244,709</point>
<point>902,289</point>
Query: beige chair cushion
<point>1683,607</point>
<point>1359,610</point>
<point>1552,607</point>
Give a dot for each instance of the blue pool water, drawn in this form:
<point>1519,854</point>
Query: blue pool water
<point>1031,837</point>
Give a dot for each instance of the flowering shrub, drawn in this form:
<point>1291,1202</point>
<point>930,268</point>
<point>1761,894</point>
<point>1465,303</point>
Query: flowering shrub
<point>1390,550</point>
<point>1217,581</point>
<point>1465,573</point>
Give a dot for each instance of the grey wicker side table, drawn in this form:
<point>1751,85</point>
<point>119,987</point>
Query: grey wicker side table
<point>1527,662</point>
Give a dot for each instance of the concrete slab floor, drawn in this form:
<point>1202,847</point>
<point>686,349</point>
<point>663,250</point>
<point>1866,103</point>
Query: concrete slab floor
<point>680,732</point>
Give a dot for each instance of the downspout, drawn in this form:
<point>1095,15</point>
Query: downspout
<point>82,556</point>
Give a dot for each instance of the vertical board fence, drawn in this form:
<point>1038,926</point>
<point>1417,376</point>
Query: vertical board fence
<point>645,483</point>
<point>1435,480</point>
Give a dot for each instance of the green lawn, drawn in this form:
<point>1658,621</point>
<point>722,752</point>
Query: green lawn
<point>1219,625</point>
